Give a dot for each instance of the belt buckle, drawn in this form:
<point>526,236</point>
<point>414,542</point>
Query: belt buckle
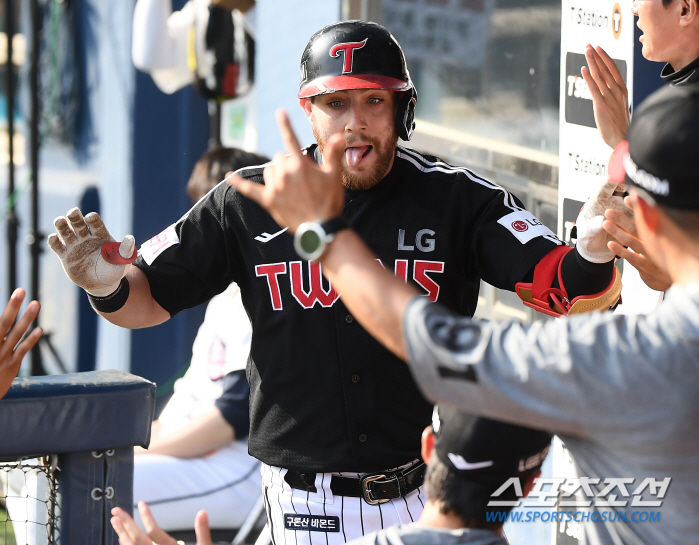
<point>368,493</point>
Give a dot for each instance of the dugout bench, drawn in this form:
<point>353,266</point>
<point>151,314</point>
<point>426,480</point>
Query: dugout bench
<point>88,424</point>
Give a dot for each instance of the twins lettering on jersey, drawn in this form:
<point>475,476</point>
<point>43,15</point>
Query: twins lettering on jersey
<point>305,280</point>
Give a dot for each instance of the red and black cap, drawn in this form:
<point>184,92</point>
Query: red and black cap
<point>661,155</point>
<point>482,450</point>
<point>353,55</point>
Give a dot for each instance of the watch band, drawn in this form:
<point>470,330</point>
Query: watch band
<point>334,225</point>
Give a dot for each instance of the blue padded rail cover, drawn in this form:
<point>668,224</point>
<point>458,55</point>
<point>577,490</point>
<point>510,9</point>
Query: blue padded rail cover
<point>57,414</point>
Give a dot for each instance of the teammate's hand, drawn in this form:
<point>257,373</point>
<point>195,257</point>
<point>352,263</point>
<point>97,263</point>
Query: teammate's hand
<point>11,353</point>
<point>610,97</point>
<point>592,238</point>
<point>82,243</point>
<point>130,534</point>
<point>623,229</point>
<point>296,189</point>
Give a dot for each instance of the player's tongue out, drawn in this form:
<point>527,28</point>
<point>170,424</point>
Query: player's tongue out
<point>354,155</point>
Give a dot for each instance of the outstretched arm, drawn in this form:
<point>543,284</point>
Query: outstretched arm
<point>140,309</point>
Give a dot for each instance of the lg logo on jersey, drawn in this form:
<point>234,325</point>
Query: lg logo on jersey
<point>520,226</point>
<point>422,243</point>
<point>306,281</point>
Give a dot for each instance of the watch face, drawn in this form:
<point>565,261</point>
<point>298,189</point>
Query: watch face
<point>309,241</point>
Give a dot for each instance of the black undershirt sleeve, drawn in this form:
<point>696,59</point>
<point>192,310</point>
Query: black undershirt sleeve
<point>234,402</point>
<point>580,276</point>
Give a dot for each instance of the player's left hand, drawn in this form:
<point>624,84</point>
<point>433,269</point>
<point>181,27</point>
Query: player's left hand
<point>296,189</point>
<point>592,238</point>
<point>130,534</point>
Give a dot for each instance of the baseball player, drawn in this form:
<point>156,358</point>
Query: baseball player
<point>335,417</point>
<point>621,391</point>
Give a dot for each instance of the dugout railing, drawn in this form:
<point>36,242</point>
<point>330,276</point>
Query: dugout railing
<point>71,438</point>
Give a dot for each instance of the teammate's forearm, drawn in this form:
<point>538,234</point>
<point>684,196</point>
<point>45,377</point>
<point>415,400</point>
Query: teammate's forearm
<point>140,309</point>
<point>372,294</point>
<point>201,435</point>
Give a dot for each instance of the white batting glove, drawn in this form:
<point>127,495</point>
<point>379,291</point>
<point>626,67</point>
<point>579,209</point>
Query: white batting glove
<point>592,238</point>
<point>90,256</point>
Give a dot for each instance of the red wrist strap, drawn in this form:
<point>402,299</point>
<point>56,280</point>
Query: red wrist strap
<point>543,298</point>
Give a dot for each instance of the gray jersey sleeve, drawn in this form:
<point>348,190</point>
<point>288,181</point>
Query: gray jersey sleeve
<point>588,376</point>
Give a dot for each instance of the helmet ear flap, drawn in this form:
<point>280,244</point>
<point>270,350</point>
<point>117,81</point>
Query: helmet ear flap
<point>405,115</point>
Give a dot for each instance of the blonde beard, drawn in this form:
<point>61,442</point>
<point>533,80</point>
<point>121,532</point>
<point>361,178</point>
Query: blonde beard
<point>382,167</point>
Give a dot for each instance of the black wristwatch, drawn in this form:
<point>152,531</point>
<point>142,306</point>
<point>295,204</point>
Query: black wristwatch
<point>311,238</point>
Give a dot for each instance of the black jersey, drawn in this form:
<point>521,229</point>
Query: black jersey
<point>689,75</point>
<point>324,395</point>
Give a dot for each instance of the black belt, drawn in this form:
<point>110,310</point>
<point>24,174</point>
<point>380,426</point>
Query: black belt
<point>375,488</point>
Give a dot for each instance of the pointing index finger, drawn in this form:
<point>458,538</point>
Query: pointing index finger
<point>290,142</point>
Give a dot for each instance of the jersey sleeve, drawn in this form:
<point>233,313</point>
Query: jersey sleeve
<point>234,402</point>
<point>506,240</point>
<point>597,376</point>
<point>195,258</point>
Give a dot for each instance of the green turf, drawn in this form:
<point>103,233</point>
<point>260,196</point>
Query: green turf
<point>7,534</point>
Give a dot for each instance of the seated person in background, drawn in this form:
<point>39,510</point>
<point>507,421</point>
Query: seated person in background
<point>198,452</point>
<point>468,459</point>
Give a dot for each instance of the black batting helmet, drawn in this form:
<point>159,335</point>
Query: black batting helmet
<point>358,55</point>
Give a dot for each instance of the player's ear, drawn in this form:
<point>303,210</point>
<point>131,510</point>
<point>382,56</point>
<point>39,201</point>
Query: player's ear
<point>644,211</point>
<point>688,11</point>
<point>307,106</point>
<point>427,444</point>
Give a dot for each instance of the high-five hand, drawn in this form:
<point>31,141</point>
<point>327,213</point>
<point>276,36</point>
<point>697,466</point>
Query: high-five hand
<point>610,97</point>
<point>297,190</point>
<point>90,256</point>
<point>592,238</point>
<point>626,244</point>
<point>130,534</point>
<point>11,353</point>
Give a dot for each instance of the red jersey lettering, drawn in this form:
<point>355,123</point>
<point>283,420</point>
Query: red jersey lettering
<point>420,276</point>
<point>316,293</point>
<point>271,271</point>
<point>402,269</point>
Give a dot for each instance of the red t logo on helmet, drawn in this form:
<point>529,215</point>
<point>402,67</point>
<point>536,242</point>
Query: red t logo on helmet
<point>348,48</point>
